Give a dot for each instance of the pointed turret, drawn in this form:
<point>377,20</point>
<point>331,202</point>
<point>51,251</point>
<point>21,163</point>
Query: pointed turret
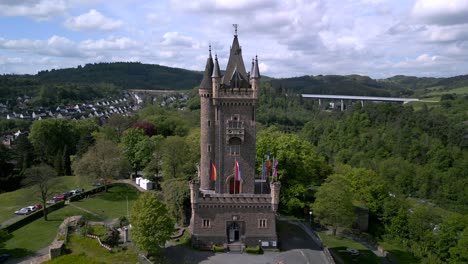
<point>215,77</point>
<point>206,81</point>
<point>216,70</point>
<point>255,77</point>
<point>255,71</point>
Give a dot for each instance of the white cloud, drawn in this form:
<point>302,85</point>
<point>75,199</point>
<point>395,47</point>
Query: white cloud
<point>93,20</point>
<point>107,44</point>
<point>174,39</point>
<point>209,6</point>
<point>450,33</point>
<point>39,9</point>
<point>447,12</point>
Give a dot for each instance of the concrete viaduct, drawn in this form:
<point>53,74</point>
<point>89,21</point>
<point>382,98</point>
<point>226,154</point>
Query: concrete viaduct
<point>360,98</point>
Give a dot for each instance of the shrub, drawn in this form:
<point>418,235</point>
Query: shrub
<point>218,249</point>
<point>254,250</point>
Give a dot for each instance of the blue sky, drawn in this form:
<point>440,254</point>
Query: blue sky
<point>379,38</point>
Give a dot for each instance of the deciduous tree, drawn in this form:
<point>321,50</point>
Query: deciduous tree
<point>333,204</point>
<point>102,161</point>
<point>41,178</point>
<point>151,222</point>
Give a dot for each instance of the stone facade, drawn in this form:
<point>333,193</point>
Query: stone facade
<point>228,210</point>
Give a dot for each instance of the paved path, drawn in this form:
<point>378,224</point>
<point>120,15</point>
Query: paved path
<point>298,246</point>
<point>11,220</point>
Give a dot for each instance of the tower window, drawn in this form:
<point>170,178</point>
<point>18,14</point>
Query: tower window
<point>206,223</point>
<point>262,223</point>
<point>209,148</point>
<point>209,123</point>
<point>233,150</point>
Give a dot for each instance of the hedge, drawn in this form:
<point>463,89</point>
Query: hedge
<point>254,250</point>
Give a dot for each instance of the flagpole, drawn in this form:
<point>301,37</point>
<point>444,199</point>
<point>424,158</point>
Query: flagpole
<point>235,175</point>
<point>262,177</point>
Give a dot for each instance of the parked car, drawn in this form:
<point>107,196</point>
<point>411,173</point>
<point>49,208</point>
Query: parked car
<point>31,208</point>
<point>353,252</point>
<point>23,211</point>
<point>51,201</point>
<point>38,206</point>
<point>97,183</point>
<point>4,257</point>
<point>59,197</point>
<point>77,191</point>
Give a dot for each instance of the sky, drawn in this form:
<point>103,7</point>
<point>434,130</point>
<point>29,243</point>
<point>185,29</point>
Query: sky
<point>378,38</point>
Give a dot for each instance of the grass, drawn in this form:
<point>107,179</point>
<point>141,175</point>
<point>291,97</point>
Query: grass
<point>399,253</point>
<point>86,250</point>
<point>338,245</point>
<point>111,204</point>
<point>184,240</point>
<point>459,90</point>
<point>38,234</point>
<point>12,201</point>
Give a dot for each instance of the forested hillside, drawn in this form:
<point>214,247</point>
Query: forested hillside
<point>101,80</point>
<point>126,75</point>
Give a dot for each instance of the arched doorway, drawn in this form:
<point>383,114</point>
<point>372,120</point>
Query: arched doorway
<point>233,232</point>
<point>234,186</point>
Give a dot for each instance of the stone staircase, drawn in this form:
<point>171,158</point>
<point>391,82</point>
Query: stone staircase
<point>236,247</point>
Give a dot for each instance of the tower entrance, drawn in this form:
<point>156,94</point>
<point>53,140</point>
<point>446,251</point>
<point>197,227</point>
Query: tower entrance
<point>234,186</point>
<point>233,232</point>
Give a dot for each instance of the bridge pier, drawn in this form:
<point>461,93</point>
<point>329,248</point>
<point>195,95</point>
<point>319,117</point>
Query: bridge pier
<point>362,103</point>
<point>342,105</point>
<point>320,102</point>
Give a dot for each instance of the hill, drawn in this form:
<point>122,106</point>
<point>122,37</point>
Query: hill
<point>104,80</point>
<point>338,84</point>
<point>126,75</point>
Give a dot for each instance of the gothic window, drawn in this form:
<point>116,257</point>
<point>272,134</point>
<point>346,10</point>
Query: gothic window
<point>209,123</point>
<point>206,223</point>
<point>234,150</point>
<point>209,148</point>
<point>262,223</point>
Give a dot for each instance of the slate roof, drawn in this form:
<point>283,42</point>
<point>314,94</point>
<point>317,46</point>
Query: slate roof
<point>235,63</point>
<point>206,81</point>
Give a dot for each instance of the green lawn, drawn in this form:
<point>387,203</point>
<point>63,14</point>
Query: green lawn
<point>12,201</point>
<point>87,250</point>
<point>39,234</point>
<point>111,204</point>
<point>339,245</point>
<point>400,254</point>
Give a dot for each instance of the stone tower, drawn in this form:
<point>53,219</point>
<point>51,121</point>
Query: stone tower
<point>228,210</point>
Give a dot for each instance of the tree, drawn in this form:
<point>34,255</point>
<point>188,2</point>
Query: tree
<point>299,167</point>
<point>151,223</point>
<point>137,148</point>
<point>333,203</point>
<point>50,136</point>
<point>177,197</point>
<point>148,128</point>
<point>176,158</point>
<point>41,178</point>
<point>102,161</point>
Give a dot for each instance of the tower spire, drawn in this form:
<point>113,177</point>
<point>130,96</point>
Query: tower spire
<point>235,29</point>
<point>255,71</point>
<point>206,81</point>
<point>216,70</point>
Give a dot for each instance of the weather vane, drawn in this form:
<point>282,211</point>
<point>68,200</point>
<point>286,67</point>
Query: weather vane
<point>235,28</point>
